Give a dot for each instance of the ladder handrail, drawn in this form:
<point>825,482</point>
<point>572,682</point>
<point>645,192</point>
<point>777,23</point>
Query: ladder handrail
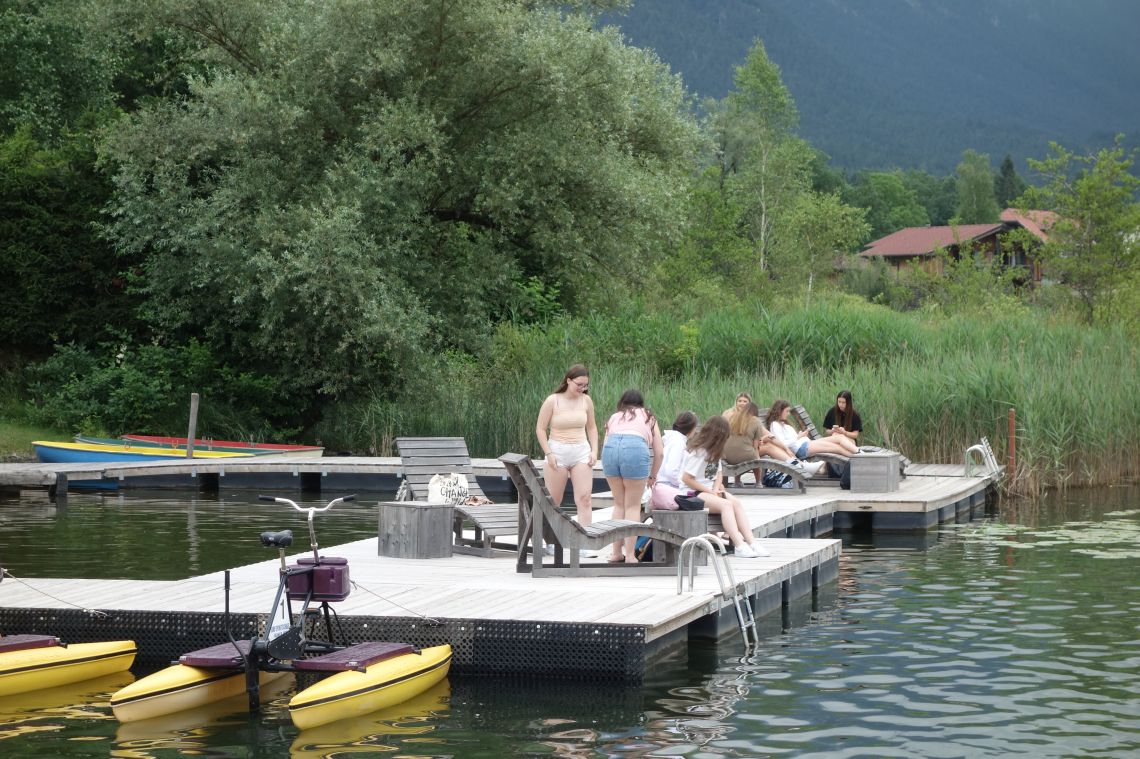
<point>744,616</point>
<point>984,450</point>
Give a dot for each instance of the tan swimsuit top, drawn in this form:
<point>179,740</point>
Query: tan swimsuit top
<point>568,423</point>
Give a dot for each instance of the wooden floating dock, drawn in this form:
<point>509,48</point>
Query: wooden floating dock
<point>497,620</point>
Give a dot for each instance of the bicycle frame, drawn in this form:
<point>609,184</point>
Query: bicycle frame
<point>320,579</point>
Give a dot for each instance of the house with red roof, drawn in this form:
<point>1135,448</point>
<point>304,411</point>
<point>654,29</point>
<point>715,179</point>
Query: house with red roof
<point>916,247</point>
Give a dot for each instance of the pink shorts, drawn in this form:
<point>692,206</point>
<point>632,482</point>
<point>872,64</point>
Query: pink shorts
<point>663,496</point>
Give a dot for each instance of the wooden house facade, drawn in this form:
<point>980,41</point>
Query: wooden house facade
<point>916,247</point>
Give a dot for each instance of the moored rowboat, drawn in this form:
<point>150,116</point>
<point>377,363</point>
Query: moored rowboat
<point>35,662</point>
<point>51,452</point>
<point>237,446</point>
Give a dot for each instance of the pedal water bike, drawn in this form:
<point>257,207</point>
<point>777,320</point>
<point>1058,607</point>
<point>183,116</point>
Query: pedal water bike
<point>365,676</point>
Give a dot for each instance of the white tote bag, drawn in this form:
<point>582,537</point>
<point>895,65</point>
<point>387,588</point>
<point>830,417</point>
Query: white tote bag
<point>449,487</point>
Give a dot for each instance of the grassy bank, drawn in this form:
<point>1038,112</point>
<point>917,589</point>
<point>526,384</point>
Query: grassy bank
<point>929,386</point>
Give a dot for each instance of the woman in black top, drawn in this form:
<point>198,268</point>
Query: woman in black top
<point>842,418</point>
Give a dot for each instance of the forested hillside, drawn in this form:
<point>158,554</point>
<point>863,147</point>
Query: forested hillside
<point>912,83</point>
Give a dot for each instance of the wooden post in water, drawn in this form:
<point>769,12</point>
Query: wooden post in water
<point>193,431</point>
<point>1012,466</point>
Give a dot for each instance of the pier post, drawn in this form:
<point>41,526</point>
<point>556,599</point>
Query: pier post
<point>193,431</point>
<point>58,491</point>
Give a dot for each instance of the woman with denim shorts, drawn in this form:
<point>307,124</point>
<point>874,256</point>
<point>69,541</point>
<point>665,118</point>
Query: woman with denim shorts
<point>631,457</point>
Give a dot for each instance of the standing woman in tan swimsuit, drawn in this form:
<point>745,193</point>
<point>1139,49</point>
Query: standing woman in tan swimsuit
<point>571,445</point>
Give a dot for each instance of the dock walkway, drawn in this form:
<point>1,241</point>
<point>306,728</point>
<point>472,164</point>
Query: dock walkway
<point>497,620</point>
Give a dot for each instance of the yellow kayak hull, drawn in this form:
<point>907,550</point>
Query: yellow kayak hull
<point>180,688</point>
<point>53,666</point>
<point>372,733</point>
<point>384,684</point>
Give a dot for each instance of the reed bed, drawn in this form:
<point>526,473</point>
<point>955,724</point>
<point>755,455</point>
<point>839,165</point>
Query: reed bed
<point>929,386</point>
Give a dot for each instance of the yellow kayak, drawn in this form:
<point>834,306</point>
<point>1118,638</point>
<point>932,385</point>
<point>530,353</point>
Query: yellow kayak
<point>52,666</point>
<point>179,688</point>
<point>381,685</point>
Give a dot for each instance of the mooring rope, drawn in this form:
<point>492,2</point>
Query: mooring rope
<point>424,617</point>
<point>93,612</point>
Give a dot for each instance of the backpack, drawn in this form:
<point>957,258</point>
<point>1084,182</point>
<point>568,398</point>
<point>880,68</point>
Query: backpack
<point>774,479</point>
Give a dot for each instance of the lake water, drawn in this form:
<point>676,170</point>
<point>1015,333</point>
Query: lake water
<point>1009,636</point>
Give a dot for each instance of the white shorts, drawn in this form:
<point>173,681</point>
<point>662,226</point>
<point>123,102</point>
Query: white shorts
<point>568,455</point>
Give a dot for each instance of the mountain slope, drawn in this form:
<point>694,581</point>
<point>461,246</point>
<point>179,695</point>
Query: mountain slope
<point>913,83</point>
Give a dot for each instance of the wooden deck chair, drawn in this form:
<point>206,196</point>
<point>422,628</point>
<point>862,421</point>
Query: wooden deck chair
<point>421,458</point>
<point>813,432</point>
<point>541,516</point>
<point>799,482</point>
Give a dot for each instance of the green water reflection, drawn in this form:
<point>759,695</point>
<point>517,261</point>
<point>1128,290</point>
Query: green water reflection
<point>1016,635</point>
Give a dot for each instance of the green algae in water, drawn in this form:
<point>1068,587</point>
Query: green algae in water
<point>1115,537</point>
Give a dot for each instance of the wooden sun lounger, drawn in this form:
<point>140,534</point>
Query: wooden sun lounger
<point>424,457</point>
<point>799,485</point>
<point>542,517</point>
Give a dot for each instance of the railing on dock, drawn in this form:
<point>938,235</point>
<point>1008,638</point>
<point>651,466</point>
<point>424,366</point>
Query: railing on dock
<point>729,589</point>
<point>988,459</point>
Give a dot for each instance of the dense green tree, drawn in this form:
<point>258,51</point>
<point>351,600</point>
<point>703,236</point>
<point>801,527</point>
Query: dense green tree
<point>350,182</point>
<point>1094,245</point>
<point>939,196</point>
<point>1008,184</point>
<point>819,228</point>
<point>763,163</point>
<point>976,203</point>
<point>889,204</point>
<point>61,281</point>
<point>50,76</point>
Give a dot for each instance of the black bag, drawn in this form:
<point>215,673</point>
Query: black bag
<point>774,479</point>
<point>845,477</point>
<point>689,503</point>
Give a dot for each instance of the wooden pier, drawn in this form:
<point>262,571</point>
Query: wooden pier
<point>499,621</point>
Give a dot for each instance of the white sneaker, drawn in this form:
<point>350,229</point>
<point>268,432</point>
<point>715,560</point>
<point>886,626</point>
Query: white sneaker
<point>799,467</point>
<point>744,552</point>
<point>813,467</point>
<point>758,552</point>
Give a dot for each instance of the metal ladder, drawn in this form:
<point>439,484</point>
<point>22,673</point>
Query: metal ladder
<point>731,590</point>
<point>983,449</point>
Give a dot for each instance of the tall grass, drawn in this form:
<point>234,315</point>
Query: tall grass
<point>929,386</point>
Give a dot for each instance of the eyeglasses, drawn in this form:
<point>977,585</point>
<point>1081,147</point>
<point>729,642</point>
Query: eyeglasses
<point>582,385</point>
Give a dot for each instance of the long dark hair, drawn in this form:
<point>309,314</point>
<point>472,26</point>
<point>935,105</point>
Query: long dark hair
<point>632,400</point>
<point>574,372</point>
<point>777,408</point>
<point>844,418</point>
<point>685,422</point>
<point>712,436</point>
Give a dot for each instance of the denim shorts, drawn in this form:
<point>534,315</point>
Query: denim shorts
<point>627,456</point>
<point>802,451</point>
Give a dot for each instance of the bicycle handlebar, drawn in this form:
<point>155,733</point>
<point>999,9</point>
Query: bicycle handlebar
<point>311,509</point>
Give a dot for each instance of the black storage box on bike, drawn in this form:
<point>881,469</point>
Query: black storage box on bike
<point>328,579</point>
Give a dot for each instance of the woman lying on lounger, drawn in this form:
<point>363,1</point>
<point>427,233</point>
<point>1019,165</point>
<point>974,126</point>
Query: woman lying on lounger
<point>749,439</point>
<point>799,442</point>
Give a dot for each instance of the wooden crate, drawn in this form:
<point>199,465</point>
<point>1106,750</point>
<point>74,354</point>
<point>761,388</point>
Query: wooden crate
<point>875,472</point>
<point>415,529</point>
